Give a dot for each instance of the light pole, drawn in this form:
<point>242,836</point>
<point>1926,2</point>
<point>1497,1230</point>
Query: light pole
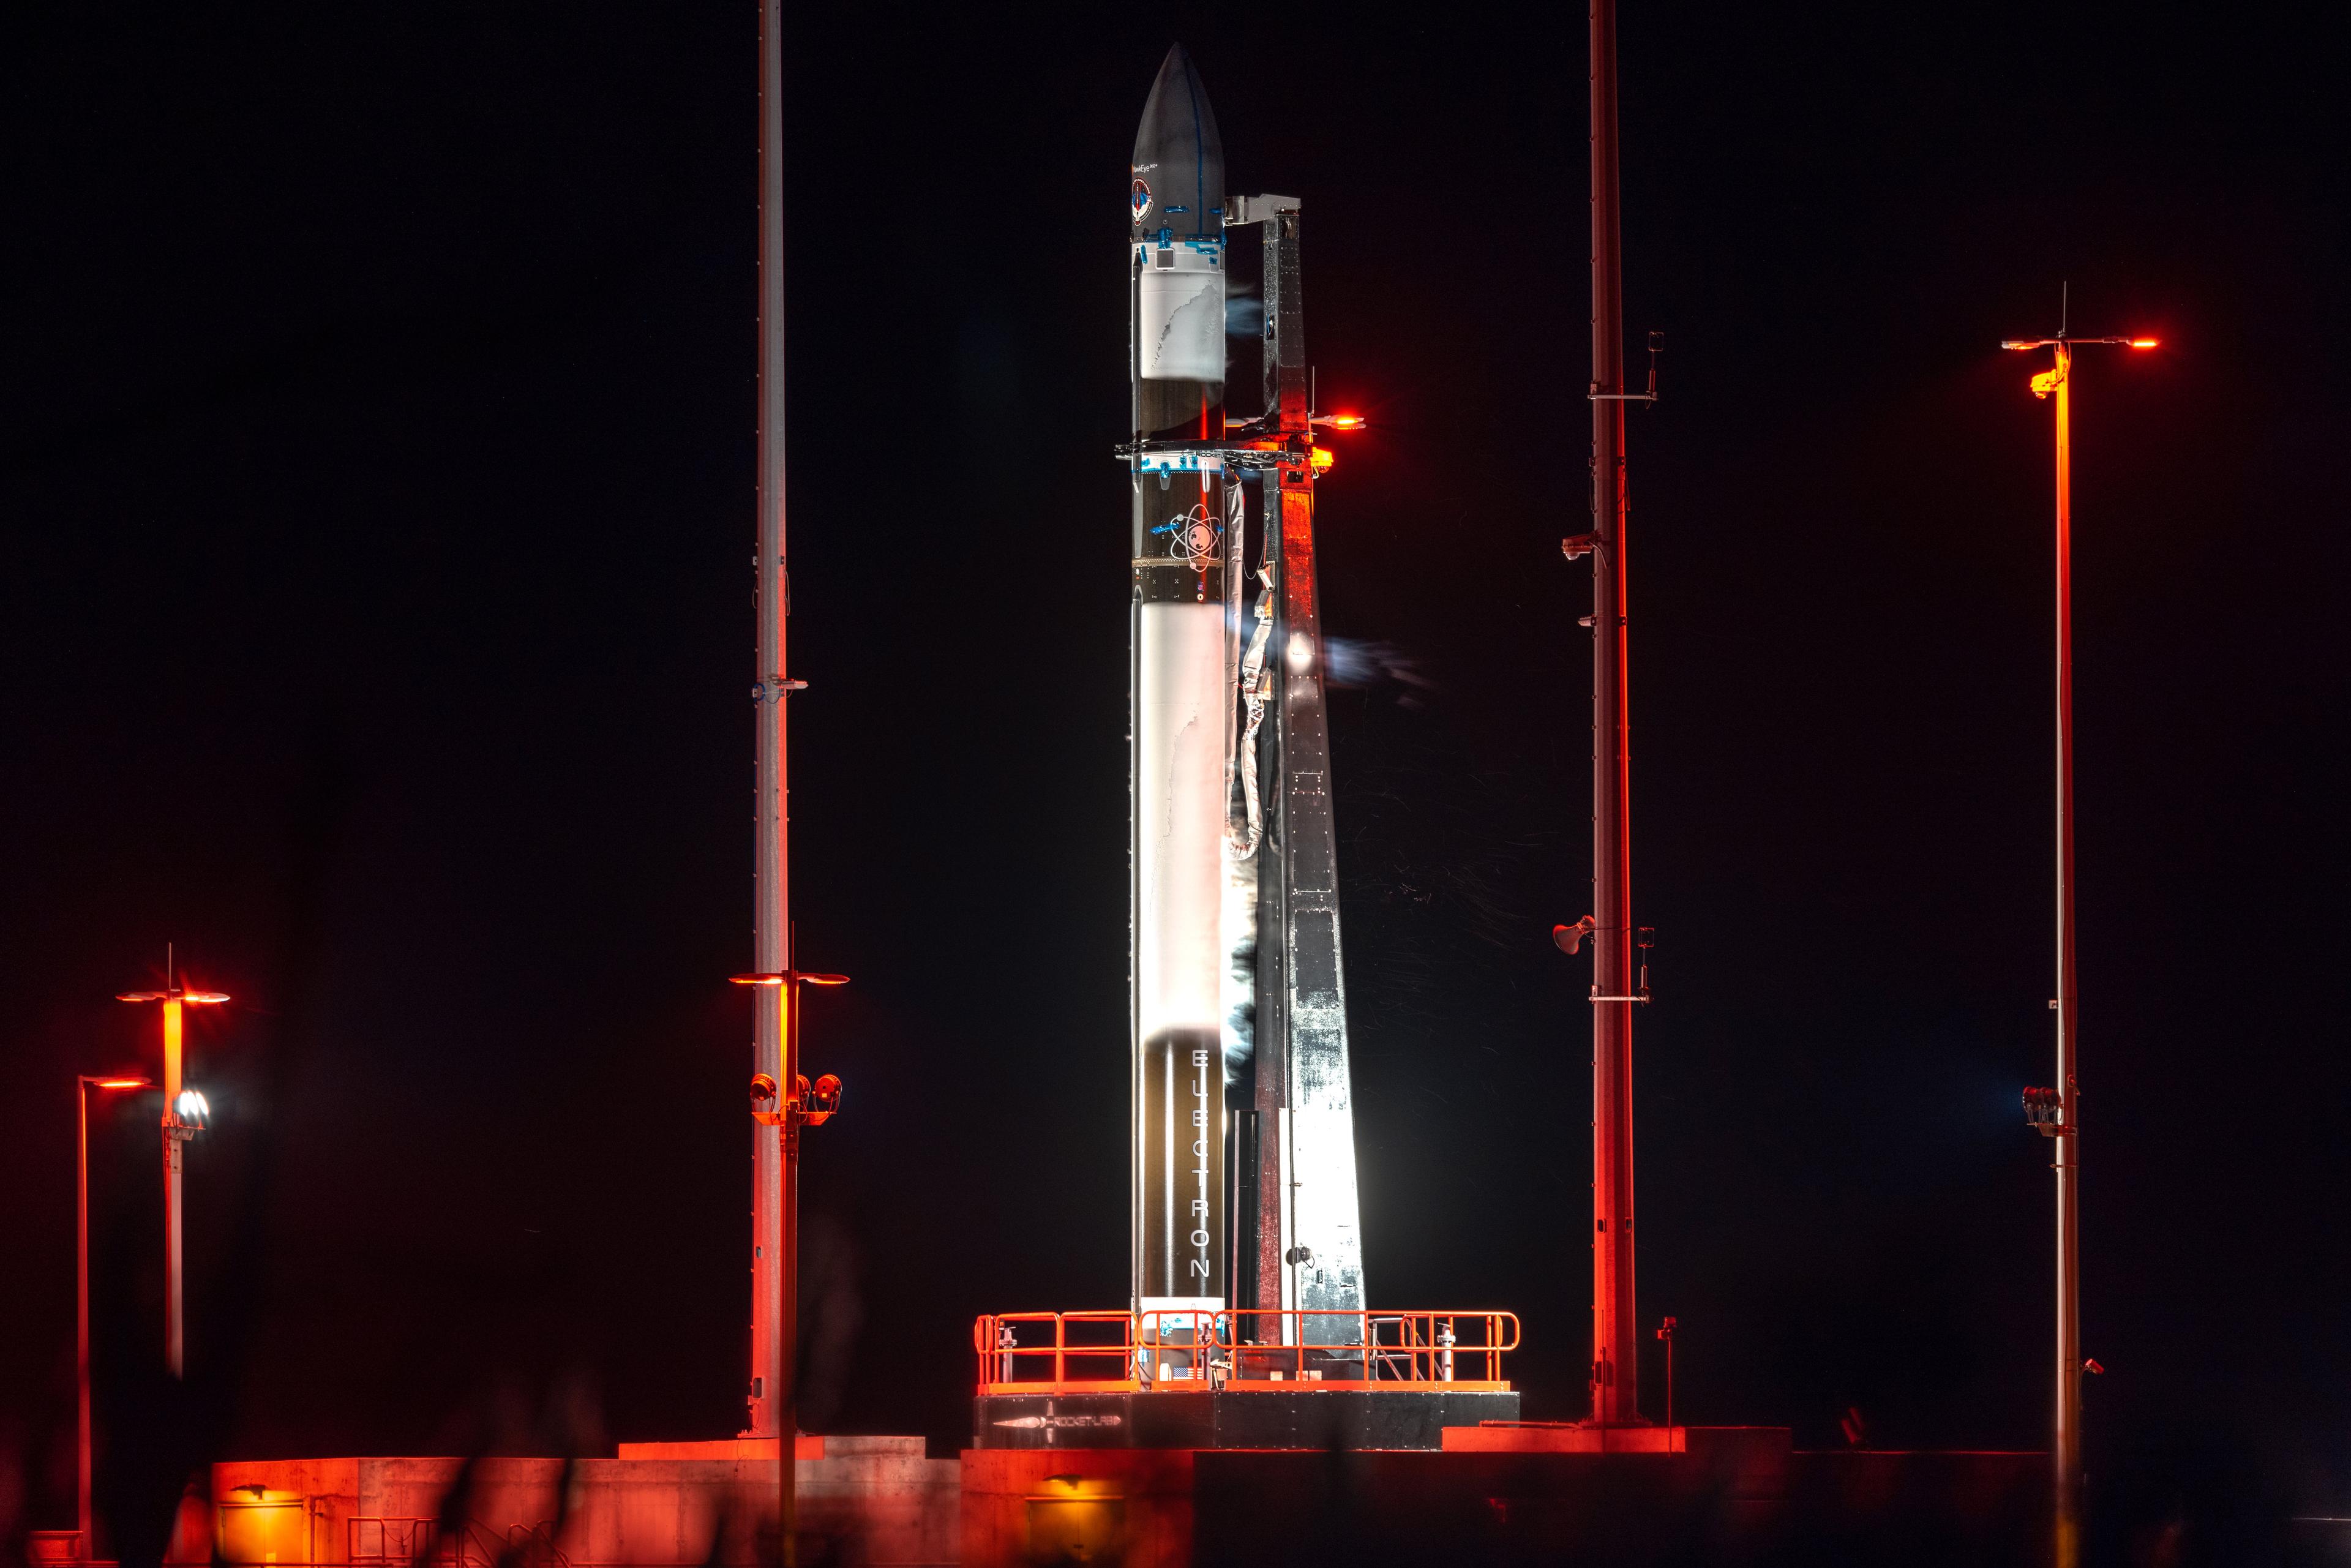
<point>83,1083</point>
<point>2057,1113</point>
<point>788,1110</point>
<point>184,1115</point>
<point>771,689</point>
<point>1616,1345</point>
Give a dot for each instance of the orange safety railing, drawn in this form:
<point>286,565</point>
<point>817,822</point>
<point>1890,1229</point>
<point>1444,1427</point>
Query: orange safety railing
<point>1243,1347</point>
<point>1030,1367</point>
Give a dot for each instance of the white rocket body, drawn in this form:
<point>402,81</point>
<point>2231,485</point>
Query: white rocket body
<point>1183,708</point>
<point>1179,950</point>
<point>1180,757</point>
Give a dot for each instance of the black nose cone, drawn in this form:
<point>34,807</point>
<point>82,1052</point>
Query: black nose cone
<point>1179,159</point>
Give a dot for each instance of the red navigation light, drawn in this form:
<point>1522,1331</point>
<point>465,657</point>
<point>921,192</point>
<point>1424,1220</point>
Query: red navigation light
<point>2142,342</point>
<point>1346,422</point>
<point>1323,458</point>
<point>122,1083</point>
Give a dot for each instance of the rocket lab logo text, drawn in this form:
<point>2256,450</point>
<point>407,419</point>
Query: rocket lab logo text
<point>1140,199</point>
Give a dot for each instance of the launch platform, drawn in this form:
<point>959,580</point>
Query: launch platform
<point>1239,1379</point>
<point>1304,1416</point>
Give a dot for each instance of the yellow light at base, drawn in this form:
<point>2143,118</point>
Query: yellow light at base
<point>1323,458</point>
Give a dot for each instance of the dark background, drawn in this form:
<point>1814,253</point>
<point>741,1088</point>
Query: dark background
<point>378,487</point>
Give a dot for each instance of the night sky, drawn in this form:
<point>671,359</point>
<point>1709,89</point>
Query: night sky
<point>377,410</point>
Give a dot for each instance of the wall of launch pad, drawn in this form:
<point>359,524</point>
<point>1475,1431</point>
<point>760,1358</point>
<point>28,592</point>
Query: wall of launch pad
<point>1629,1497</point>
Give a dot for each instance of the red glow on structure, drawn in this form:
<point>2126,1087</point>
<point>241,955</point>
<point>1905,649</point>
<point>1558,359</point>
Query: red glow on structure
<point>805,979</point>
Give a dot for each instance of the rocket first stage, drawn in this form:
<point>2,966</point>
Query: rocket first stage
<point>1182,666</point>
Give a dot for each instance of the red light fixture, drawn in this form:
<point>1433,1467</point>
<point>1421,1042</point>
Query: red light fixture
<point>2064,341</point>
<point>788,1101</point>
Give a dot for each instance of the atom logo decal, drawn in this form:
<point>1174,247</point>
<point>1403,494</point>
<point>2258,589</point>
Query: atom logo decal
<point>1194,538</point>
<point>1139,199</point>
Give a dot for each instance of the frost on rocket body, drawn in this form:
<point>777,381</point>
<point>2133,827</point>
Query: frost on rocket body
<point>1184,325</point>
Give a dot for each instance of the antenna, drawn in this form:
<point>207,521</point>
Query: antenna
<point>2064,306</point>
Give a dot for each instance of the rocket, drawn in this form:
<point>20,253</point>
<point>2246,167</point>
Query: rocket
<point>1181,669</point>
<point>1236,958</point>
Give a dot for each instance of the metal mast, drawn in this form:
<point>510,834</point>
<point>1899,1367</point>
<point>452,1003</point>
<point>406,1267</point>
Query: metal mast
<point>85,1521</point>
<point>175,1139</point>
<point>771,1356</point>
<point>1615,1379</point>
<point>185,1116</point>
<point>84,1529</point>
<point>2056,1113</point>
<point>2068,1145</point>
